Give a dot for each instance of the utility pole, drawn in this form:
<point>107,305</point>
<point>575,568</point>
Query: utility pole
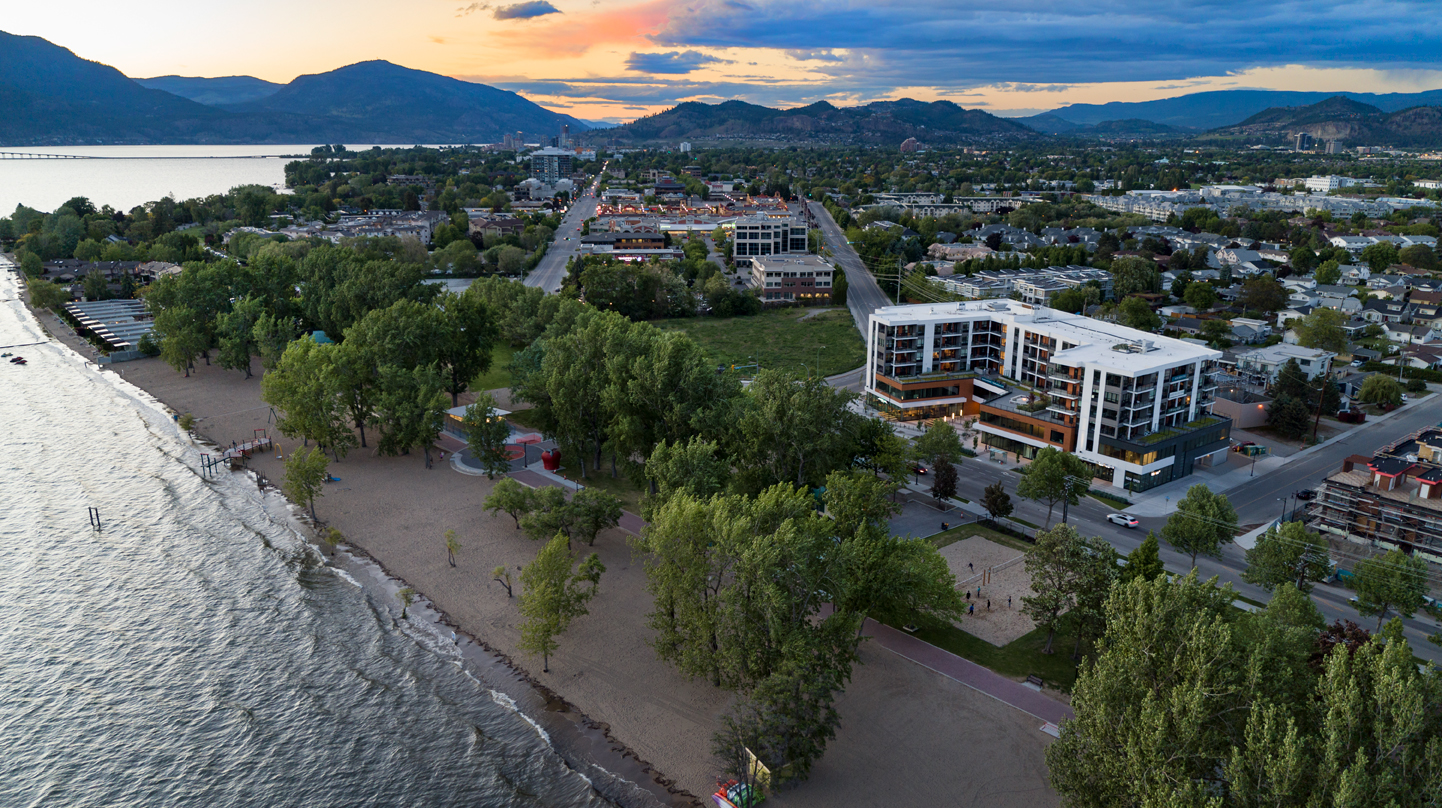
<point>1323,381</point>
<point>1066,500</point>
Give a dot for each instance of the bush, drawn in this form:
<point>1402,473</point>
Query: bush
<point>1416,385</point>
<point>1407,372</point>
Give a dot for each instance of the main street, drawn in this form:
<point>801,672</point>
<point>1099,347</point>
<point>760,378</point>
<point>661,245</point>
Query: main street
<point>863,295</point>
<point>551,272</point>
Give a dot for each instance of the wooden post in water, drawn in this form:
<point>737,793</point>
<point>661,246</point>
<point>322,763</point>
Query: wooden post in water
<point>94,518</point>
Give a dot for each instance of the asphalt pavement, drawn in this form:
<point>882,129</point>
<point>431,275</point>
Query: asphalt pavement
<point>551,272</point>
<point>863,295</point>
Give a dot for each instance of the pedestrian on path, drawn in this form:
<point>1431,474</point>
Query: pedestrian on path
<point>968,594</point>
<point>988,605</point>
<point>970,567</point>
<point>971,609</point>
<point>1008,601</point>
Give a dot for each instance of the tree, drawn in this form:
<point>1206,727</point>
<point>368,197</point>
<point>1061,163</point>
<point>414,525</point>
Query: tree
<point>1052,477</point>
<point>1291,381</point>
<point>1054,565</point>
<point>1303,259</point>
<point>236,332</point>
<point>1395,582</point>
<point>468,336</point>
<point>693,467</point>
<point>1217,332</point>
<point>302,387</point>
<point>1200,296</point>
<point>1203,522</point>
<point>554,596</point>
<point>1379,256</point>
<point>272,335</point>
<point>592,511</point>
<point>996,501</point>
<point>487,433</point>
<point>410,409</point>
<point>1328,273</point>
<point>453,546</point>
<point>512,498</point>
<point>1420,256</point>
<point>1289,417</point>
<point>182,337</point>
<point>502,576</point>
<point>47,295</point>
<point>1135,312</point>
<point>943,482</point>
<point>790,430</point>
<point>31,264</point>
<point>1323,329</point>
<point>938,445</point>
<point>407,597</point>
<point>305,475</point>
<point>1145,562</point>
<point>1263,293</point>
<point>1288,554</point>
<point>1132,275</point>
<point>96,287</point>
<point>1379,389</point>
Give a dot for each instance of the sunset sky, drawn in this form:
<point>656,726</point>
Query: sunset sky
<point>610,60</point>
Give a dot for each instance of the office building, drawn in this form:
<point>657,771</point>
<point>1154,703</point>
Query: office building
<point>1133,405</point>
<point>765,234</point>
<point>792,278</point>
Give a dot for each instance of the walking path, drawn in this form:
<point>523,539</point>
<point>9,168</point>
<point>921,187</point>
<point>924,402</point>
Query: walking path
<point>970,674</point>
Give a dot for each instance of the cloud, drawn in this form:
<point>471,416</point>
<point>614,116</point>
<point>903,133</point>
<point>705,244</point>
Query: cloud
<point>525,11</point>
<point>472,9</point>
<point>826,55</point>
<point>675,62</point>
<point>878,43</point>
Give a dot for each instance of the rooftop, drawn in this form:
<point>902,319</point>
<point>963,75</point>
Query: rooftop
<point>1099,342</point>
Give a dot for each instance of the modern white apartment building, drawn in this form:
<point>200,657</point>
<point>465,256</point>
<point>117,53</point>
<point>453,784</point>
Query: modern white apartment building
<point>1329,183</point>
<point>1135,406</point>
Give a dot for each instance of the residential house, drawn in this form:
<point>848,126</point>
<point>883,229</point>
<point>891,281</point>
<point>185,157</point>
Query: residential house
<point>1270,359</point>
<point>1411,334</point>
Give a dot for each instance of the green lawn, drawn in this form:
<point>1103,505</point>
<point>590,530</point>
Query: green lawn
<point>978,529</point>
<point>499,375</point>
<point>620,486</point>
<point>1020,658</point>
<point>779,339</point>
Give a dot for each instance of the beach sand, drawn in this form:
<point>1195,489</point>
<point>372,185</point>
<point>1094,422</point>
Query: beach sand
<point>1000,624</point>
<point>909,736</point>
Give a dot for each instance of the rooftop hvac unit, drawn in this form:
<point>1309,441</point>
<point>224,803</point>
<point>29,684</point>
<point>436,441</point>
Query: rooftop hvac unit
<point>1146,345</point>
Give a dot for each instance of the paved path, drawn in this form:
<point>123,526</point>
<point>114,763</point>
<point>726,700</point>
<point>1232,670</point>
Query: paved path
<point>969,673</point>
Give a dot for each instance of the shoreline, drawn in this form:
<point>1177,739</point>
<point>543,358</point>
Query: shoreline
<point>615,771</point>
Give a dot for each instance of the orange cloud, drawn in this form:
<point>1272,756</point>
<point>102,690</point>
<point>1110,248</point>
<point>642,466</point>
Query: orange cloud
<point>575,33</point>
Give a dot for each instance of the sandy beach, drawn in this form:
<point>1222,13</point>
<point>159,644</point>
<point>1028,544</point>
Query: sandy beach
<point>909,736</point>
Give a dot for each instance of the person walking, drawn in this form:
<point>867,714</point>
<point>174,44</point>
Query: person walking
<point>1008,601</point>
<point>971,609</point>
<point>988,605</point>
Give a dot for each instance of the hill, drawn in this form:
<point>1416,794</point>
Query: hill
<point>877,122</point>
<point>1219,108</point>
<point>379,101</point>
<point>50,96</point>
<point>1342,118</point>
<point>1052,124</point>
<point>213,92</point>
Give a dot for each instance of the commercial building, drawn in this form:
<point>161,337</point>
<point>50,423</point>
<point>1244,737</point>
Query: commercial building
<point>1135,406</point>
<point>1329,183</point>
<point>792,278</point>
<point>767,235</point>
<point>1392,500</point>
<point>551,165</point>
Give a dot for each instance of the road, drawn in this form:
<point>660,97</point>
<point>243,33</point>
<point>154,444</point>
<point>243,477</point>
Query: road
<point>1257,501</point>
<point>863,295</point>
<point>1089,517</point>
<point>551,272</point>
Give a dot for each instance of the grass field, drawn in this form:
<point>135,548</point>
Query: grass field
<point>1019,659</point>
<point>978,529</point>
<point>499,375</point>
<point>779,340</point>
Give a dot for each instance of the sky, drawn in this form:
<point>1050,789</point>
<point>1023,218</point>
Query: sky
<point>614,60</point>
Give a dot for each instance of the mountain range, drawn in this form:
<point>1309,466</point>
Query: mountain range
<point>53,97</point>
<point>1341,118</point>
<point>1216,108</point>
<point>880,121</point>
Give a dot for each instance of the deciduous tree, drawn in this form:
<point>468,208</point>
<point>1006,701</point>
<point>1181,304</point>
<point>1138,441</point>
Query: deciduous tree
<point>553,596</point>
<point>487,433</point>
<point>1322,328</point>
<point>1203,522</point>
<point>1052,477</point>
<point>1395,582</point>
<point>996,501</point>
<point>305,476</point>
<point>512,498</point>
<point>1288,554</point>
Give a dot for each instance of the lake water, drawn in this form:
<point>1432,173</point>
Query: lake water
<point>196,651</point>
<point>125,176</point>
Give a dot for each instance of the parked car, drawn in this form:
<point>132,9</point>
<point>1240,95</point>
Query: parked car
<point>1351,416</point>
<point>1122,519</point>
<point>1242,447</point>
<point>1305,494</point>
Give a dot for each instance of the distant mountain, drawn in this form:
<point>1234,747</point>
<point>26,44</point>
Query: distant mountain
<point>878,122</point>
<point>1052,124</point>
<point>380,101</point>
<point>1217,108</point>
<point>50,96</point>
<point>213,92</point>
<point>1342,118</point>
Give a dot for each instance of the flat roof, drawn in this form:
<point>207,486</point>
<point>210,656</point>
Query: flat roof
<point>1098,342</point>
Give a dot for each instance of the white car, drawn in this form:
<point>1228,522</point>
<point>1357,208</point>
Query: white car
<point>1122,519</point>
